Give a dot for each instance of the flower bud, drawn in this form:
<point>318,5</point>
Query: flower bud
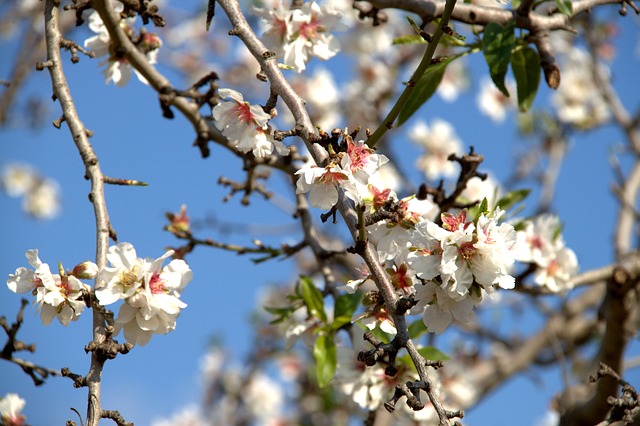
<point>86,270</point>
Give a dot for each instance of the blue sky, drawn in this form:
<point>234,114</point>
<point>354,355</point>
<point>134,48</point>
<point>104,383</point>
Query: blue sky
<point>132,141</point>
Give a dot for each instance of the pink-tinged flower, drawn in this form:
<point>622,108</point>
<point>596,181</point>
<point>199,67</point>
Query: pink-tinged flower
<point>276,23</point>
<point>377,316</point>
<point>322,183</point>
<point>402,278</point>
<point>151,292</point>
<point>11,406</point>
<point>440,309</point>
<point>56,295</point>
<point>309,35</point>
<point>440,141</point>
<point>494,251</point>
<point>361,160</point>
<point>118,68</point>
<point>540,242</point>
<point>556,271</point>
<point>245,125</point>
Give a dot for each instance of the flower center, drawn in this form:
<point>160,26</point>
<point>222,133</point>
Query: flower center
<point>243,112</point>
<point>156,284</point>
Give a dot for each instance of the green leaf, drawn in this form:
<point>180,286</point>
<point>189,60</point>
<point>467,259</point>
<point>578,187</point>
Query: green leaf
<point>512,198</point>
<point>425,88</point>
<point>326,356</point>
<point>565,7</point>
<point>409,39</point>
<point>417,329</point>
<point>428,352</point>
<point>525,63</point>
<point>313,299</point>
<point>433,354</point>
<point>282,314</point>
<point>483,208</point>
<point>344,308</point>
<point>497,44</point>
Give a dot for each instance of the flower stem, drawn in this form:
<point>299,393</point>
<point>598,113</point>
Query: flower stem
<point>387,123</point>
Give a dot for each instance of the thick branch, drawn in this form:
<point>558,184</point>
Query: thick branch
<point>93,172</point>
<point>309,135</point>
<point>481,15</point>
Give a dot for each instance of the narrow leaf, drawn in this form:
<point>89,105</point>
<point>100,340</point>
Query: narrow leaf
<point>344,308</point>
<point>425,88</point>
<point>525,63</point>
<point>313,299</point>
<point>565,7</point>
<point>417,328</point>
<point>433,354</point>
<point>325,354</point>
<point>513,198</point>
<point>497,44</point>
<point>409,39</point>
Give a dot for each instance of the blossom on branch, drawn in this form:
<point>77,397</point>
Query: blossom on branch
<point>57,295</point>
<point>300,34</point>
<point>245,125</point>
<point>151,292</point>
<point>540,242</point>
<point>118,68</point>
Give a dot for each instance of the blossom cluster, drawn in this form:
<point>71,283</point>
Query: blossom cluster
<point>151,292</point>
<point>446,263</point>
<point>298,34</point>
<point>40,195</point>
<point>118,68</point>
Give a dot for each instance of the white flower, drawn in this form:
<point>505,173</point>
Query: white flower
<point>362,160</point>
<point>301,33</point>
<point>41,195</point>
<point>555,272</point>
<point>478,189</point>
<point>42,201</point>
<point>440,141</point>
<point>322,184</point>
<point>118,68</point>
<point>11,406</point>
<point>308,35</point>
<point>17,179</point>
<point>276,24</point>
<point>366,385</point>
<point>151,292</point>
<point>578,99</point>
<point>539,242</point>
<point>440,309</point>
<point>245,125</point>
<point>492,102</point>
<point>56,295</point>
<point>494,251</point>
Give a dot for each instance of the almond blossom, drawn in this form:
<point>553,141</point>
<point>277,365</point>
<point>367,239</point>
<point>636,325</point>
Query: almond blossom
<point>322,184</point>
<point>57,295</point>
<point>150,291</point>
<point>300,34</point>
<point>11,406</point>
<point>118,68</point>
<point>539,242</point>
<point>493,103</point>
<point>440,141</point>
<point>245,125</point>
